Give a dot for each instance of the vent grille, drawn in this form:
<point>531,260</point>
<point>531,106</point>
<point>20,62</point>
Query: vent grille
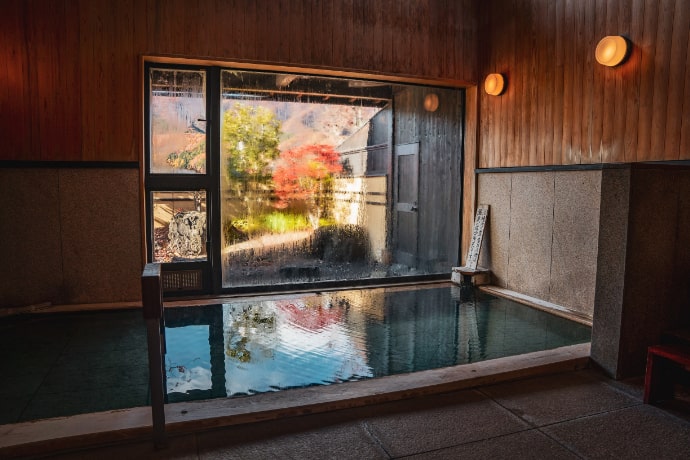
<point>182,280</point>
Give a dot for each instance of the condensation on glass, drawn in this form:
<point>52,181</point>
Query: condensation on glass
<point>178,121</point>
<point>179,224</point>
<point>304,194</point>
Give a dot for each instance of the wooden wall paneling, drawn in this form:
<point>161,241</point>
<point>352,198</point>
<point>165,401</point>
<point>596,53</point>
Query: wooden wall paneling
<point>467,39</point>
<point>309,39</point>
<point>470,162</point>
<point>380,22</point>
<point>348,32</point>
<point>589,44</point>
<point>557,95</point>
<point>662,64</point>
<point>119,43</point>
<point>578,39</point>
<point>166,27</point>
<point>632,75</point>
<point>415,24</point>
<point>677,82</point>
<point>487,58</point>
<point>15,97</point>
<point>326,31</point>
<point>568,83</point>
<point>247,10</point>
<point>518,152</point>
<point>262,30</point>
<point>624,17</point>
<point>503,106</point>
<point>91,63</point>
<point>648,68</point>
<point>361,43</point>
<point>539,78</point>
<point>685,114</point>
<point>321,40</point>
<point>282,26</point>
<point>385,19</point>
<point>409,45</point>
<point>599,86</point>
<point>548,80</point>
<point>52,36</point>
<point>536,155</point>
<point>107,61</point>
<point>506,103</point>
<point>607,81</point>
<point>438,33</point>
<point>232,26</point>
<point>608,155</point>
<point>453,37</point>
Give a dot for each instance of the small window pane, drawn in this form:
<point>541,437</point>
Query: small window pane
<point>179,226</point>
<point>178,121</point>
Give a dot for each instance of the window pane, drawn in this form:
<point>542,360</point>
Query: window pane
<point>178,121</point>
<point>303,197</point>
<point>179,226</point>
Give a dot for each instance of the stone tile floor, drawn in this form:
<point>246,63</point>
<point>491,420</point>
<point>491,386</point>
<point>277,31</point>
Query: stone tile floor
<point>578,414</point>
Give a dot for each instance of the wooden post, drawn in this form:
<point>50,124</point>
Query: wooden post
<point>152,301</point>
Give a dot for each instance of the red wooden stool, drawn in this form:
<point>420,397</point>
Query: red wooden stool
<point>658,380</point>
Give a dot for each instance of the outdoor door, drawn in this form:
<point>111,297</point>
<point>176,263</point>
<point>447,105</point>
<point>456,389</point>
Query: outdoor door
<point>407,161</point>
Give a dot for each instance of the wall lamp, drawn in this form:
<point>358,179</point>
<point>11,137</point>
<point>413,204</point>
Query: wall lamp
<point>431,102</point>
<point>494,84</point>
<point>612,50</point>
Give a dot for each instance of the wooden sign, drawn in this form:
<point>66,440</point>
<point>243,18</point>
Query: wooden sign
<point>477,236</point>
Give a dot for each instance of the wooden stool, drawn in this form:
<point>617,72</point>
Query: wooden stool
<point>658,380</point>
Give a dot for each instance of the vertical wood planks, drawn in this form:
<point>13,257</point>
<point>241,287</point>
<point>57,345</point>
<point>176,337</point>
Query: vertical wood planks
<point>632,91</point>
<point>633,112</point>
<point>15,105</point>
<point>677,68</point>
<point>662,65</point>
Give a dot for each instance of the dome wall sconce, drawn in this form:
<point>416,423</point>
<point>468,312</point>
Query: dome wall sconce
<point>431,102</point>
<point>494,84</point>
<point>612,50</point>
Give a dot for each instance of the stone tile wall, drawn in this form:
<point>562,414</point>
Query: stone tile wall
<point>542,235</point>
<point>69,235</point>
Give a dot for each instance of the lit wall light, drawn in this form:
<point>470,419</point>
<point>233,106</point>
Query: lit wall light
<point>494,84</point>
<point>612,50</point>
<point>431,102</point>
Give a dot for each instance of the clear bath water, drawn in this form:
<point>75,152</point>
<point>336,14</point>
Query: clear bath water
<point>254,346</point>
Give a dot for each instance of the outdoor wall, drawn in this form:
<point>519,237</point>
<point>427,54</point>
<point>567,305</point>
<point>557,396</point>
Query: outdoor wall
<point>542,232</point>
<point>69,235</point>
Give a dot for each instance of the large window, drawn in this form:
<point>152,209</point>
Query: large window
<point>259,180</point>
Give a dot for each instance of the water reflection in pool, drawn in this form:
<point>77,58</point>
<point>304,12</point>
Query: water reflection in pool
<point>253,346</point>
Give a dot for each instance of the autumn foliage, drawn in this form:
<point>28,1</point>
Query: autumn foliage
<point>303,173</point>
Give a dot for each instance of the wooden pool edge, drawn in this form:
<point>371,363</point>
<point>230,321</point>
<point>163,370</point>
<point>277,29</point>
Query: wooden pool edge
<point>130,425</point>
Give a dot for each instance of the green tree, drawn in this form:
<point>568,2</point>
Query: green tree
<point>250,137</point>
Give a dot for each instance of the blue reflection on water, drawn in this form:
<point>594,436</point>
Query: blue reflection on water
<point>253,346</point>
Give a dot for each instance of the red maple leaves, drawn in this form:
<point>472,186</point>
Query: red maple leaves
<point>300,173</point>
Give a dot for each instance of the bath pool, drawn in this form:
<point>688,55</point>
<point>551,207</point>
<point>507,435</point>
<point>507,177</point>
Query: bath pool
<point>75,363</point>
<point>263,345</point>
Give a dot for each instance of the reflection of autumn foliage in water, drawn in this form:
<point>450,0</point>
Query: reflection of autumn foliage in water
<point>310,317</point>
